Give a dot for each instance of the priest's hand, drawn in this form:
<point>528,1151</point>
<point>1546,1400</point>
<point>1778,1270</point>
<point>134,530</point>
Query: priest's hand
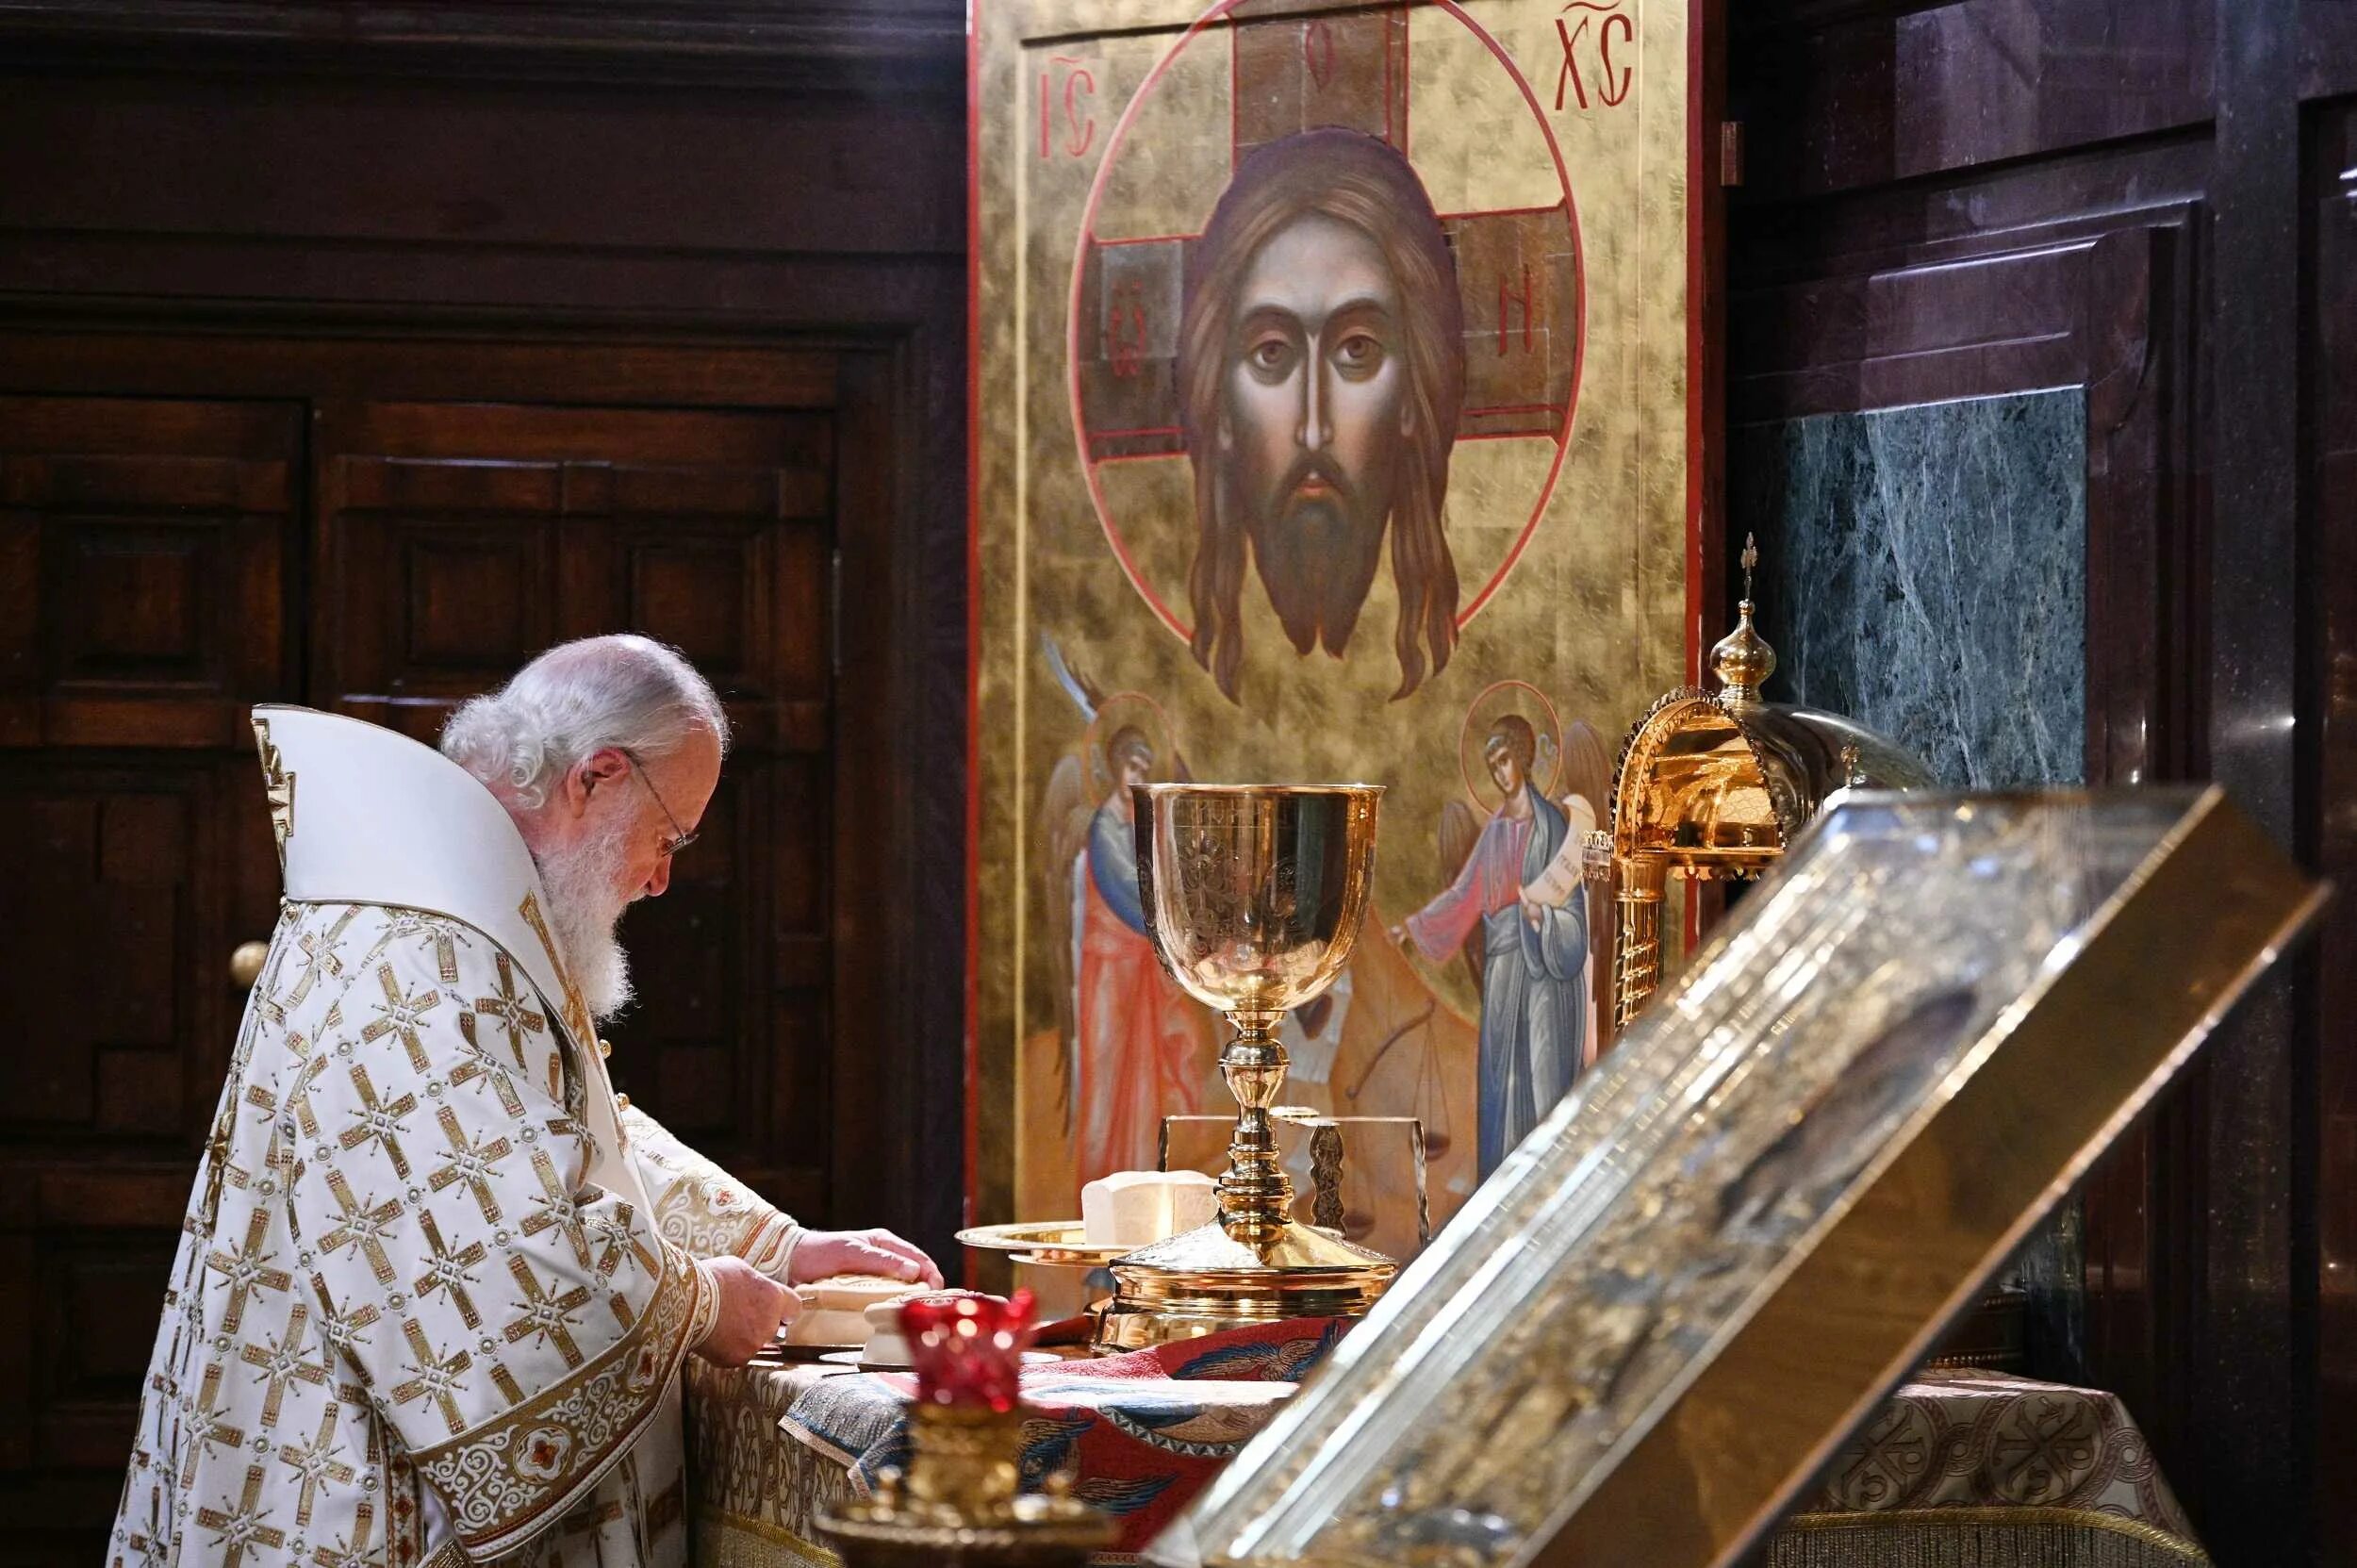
<point>821,1253</point>
<point>752,1306</point>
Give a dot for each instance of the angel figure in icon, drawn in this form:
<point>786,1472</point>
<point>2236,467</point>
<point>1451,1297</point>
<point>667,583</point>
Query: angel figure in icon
<point>1518,909</point>
<point>1132,1046</point>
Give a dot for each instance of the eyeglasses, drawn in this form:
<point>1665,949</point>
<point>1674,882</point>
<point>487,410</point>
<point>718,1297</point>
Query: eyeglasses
<point>679,837</point>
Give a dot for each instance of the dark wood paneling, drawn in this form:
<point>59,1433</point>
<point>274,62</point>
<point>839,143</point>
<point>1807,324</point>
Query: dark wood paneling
<point>911,46</point>
<point>455,540</point>
<point>477,165</point>
<point>146,541</point>
<point>741,215</point>
<point>115,973</point>
<point>2253,1361</point>
<point>2331,681</point>
<point>119,1001</point>
<point>153,348</point>
<point>1877,93</point>
<point>1952,197</point>
<point>2328,49</point>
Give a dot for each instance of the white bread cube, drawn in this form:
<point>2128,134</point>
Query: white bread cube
<point>1138,1207</point>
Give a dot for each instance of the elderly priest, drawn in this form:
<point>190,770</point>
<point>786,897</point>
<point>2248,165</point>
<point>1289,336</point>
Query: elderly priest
<point>436,1279</point>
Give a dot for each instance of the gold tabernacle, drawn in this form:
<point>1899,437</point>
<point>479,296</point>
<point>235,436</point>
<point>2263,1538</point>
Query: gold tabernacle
<point>1690,1284</point>
<point>1712,785</point>
<point>1254,895</point>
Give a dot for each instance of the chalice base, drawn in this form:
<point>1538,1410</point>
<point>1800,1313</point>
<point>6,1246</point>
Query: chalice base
<point>1203,1281</point>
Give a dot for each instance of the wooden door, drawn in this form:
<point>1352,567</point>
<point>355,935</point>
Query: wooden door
<point>144,552</point>
<point>167,563</point>
<point>455,540</point>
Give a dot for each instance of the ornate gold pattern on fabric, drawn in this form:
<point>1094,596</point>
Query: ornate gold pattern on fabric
<point>1680,1293</point>
<point>1254,896</point>
<point>503,1479</point>
<point>2028,1518</point>
<point>744,1468</point>
<point>771,1544</point>
<point>1970,1467</point>
<point>707,1308</point>
<point>577,1019</point>
<point>1713,786</point>
<point>278,789</point>
<point>702,1208</point>
<point>394,1272</point>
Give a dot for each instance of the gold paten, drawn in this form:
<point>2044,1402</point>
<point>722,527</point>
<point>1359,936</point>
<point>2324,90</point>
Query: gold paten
<point>1254,895</point>
<point>960,1503</point>
<point>1678,1297</point>
<point>1712,785</point>
<point>1057,1242</point>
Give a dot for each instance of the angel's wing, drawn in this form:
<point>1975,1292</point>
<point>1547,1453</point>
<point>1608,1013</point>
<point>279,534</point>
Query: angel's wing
<point>1077,687</point>
<point>1064,831</point>
<point>1459,832</point>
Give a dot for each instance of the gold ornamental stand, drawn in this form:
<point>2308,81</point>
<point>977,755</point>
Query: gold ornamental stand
<point>1713,786</point>
<point>962,1501</point>
<point>1254,895</point>
<point>960,1504</point>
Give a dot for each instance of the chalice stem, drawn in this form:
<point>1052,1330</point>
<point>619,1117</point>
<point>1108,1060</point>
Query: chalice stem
<point>1255,1196</point>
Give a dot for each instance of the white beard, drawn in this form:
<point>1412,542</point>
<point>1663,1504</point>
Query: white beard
<point>584,909</point>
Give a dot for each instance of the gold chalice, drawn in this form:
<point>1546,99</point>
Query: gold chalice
<point>1254,894</point>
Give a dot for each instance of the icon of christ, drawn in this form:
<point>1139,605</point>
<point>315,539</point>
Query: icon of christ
<point>1321,371</point>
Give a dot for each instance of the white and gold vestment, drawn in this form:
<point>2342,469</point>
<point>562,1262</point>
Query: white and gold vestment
<point>435,1285</point>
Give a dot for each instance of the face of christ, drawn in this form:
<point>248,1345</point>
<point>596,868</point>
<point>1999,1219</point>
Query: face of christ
<point>1311,420</point>
<point>1320,369</point>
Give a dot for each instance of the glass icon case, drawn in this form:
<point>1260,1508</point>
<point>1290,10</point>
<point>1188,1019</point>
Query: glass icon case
<point>1644,1332</point>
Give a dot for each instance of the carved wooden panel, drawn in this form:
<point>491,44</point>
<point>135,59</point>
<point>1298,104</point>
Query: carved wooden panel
<point>455,540</point>
<point>109,982</point>
<point>138,874</point>
<point>143,597</point>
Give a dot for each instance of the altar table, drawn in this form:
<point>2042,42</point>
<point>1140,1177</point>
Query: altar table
<point>1958,1470</point>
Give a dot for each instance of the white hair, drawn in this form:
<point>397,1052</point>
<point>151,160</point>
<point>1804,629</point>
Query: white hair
<point>624,691</point>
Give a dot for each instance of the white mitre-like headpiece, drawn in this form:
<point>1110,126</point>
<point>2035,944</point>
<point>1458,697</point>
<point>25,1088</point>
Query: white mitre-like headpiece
<point>363,815</point>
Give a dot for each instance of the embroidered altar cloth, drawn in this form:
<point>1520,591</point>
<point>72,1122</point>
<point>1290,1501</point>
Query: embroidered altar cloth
<point>1957,1467</point>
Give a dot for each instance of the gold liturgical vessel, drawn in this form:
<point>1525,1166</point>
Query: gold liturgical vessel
<point>1715,785</point>
<point>1254,895</point>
